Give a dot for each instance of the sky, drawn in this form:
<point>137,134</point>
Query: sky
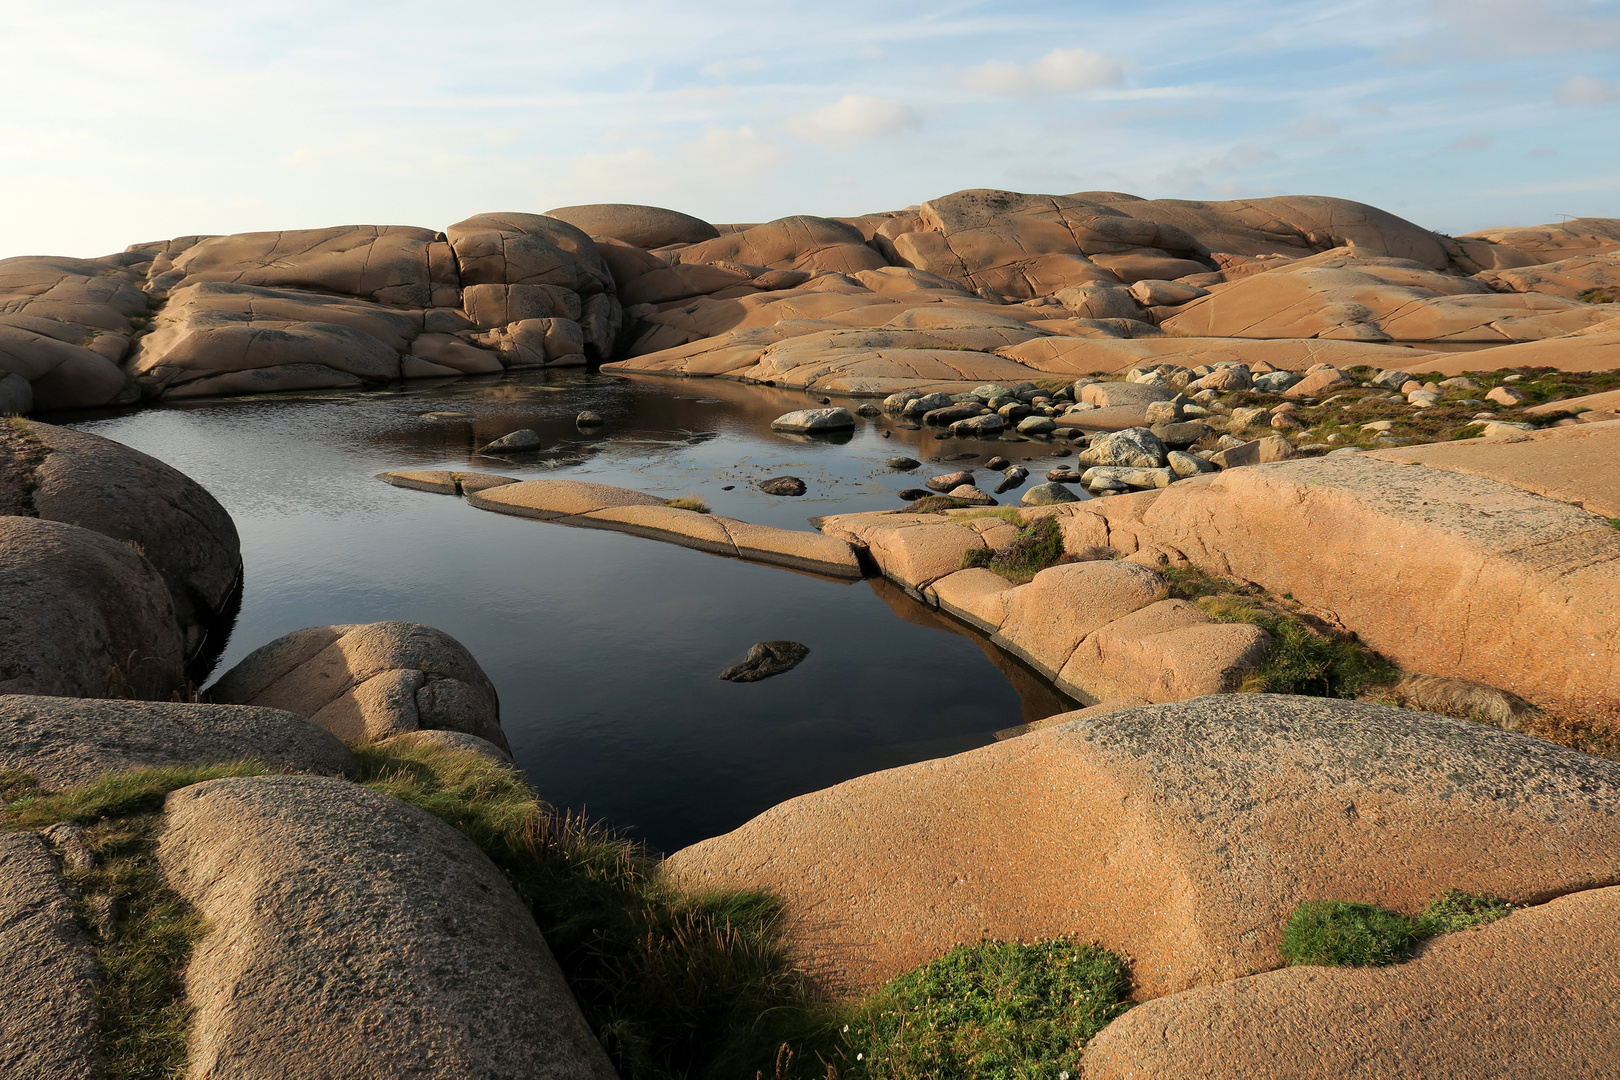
<point>136,120</point>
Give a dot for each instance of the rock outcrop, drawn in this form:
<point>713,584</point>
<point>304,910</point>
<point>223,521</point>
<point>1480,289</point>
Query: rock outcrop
<point>370,681</point>
<point>352,935</point>
<point>62,742</point>
<point>82,615</point>
<point>47,975</point>
<point>1523,996</point>
<point>58,474</point>
<point>1180,835</point>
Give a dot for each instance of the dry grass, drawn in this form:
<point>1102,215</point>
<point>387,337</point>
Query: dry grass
<point>688,502</point>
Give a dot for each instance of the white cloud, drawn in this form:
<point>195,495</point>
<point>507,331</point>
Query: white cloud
<point>854,117</point>
<point>720,69</point>
<point>1585,90</point>
<point>1061,71</point>
<point>1510,28</point>
<point>1478,140</point>
<point>1238,157</point>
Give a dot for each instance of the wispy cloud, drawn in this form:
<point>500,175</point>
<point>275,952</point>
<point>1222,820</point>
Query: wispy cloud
<point>853,118</point>
<point>1061,71</point>
<point>1587,91</point>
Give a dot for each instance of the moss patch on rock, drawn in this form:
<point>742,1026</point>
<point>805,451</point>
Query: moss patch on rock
<point>1343,934</point>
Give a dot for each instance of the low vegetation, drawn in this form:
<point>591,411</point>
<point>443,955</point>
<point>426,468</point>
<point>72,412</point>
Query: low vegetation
<point>1306,656</point>
<point>688,502</point>
<point>1037,546</point>
<point>1344,934</point>
<point>1001,1010</point>
<point>141,930</point>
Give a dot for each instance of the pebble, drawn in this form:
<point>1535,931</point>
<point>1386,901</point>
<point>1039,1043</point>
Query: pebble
<point>522,439</point>
<point>589,419</point>
<point>902,463</point>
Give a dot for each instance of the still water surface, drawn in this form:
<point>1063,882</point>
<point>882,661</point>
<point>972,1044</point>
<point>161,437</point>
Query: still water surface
<point>605,648</point>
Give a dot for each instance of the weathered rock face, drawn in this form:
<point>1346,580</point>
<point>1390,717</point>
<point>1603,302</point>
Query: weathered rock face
<point>812,244</point>
<point>47,976</point>
<point>82,615</point>
<point>1180,835</point>
<point>66,741</point>
<point>1566,277</point>
<point>641,226</point>
<point>352,935</point>
<point>65,326</point>
<point>1523,996</point>
<point>369,681</point>
<point>1499,585</point>
<point>83,479</point>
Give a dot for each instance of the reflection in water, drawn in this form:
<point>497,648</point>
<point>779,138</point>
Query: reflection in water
<point>1040,698</point>
<point>606,648</point>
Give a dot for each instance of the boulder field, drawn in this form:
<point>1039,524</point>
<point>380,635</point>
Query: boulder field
<point>976,285</point>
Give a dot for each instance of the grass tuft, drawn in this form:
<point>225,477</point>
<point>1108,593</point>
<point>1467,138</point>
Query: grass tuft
<point>1036,547</point>
<point>1000,1010</point>
<point>1313,660</point>
<point>933,504</point>
<point>1344,934</point>
<point>674,985</point>
<point>143,932</point>
<point>688,502</point>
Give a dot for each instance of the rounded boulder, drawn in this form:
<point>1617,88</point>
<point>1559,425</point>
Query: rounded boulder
<point>643,226</point>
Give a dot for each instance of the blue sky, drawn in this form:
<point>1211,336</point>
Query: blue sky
<point>142,119</point>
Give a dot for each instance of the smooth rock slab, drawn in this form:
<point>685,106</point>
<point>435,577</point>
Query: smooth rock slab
<point>47,974</point>
<point>1527,996</point>
<point>444,481</point>
<point>62,742</point>
<point>352,935</point>
<point>1179,835</point>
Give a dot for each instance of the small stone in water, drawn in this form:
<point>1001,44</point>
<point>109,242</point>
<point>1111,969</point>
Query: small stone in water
<point>589,419</point>
<point>766,659</point>
<point>902,463</point>
<point>782,485</point>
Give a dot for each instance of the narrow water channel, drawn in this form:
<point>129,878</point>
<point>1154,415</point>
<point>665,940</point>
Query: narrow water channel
<point>605,647</point>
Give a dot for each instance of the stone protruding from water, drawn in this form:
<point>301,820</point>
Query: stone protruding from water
<point>352,935</point>
<point>766,659</point>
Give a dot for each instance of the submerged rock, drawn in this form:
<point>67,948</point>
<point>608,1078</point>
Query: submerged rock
<point>766,659</point>
<point>902,463</point>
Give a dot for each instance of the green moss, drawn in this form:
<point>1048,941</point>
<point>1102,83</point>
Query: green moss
<point>1340,933</point>
<point>674,984</point>
<point>1302,658</point>
<point>1609,295</point>
<point>142,931</point>
<point>1000,1010</point>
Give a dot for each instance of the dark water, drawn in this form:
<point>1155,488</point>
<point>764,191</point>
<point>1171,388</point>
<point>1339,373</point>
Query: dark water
<point>606,647</point>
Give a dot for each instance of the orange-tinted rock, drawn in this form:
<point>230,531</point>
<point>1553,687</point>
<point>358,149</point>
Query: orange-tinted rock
<point>1179,835</point>
<point>1566,277</point>
<point>1576,465</point>
<point>1551,243</point>
<point>1576,352</point>
<point>1525,996</point>
<point>527,249</point>
<point>1496,585</point>
<point>792,243</point>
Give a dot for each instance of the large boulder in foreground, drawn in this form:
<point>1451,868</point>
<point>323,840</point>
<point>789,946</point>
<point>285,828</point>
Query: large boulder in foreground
<point>1179,835</point>
<point>82,615</point>
<point>47,975</point>
<point>1530,995</point>
<point>369,681</point>
<point>1441,571</point>
<point>62,742</point>
<point>352,935</point>
<point>86,480</point>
